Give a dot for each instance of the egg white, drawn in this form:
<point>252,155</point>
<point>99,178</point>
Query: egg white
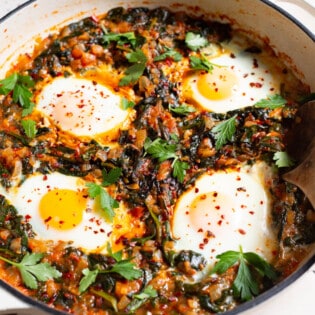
<point>238,79</point>
<point>91,233</point>
<point>225,210</point>
<point>83,107</point>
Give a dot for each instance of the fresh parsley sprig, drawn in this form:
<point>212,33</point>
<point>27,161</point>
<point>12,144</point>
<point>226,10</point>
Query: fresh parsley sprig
<point>139,299</point>
<point>135,71</point>
<point>273,101</point>
<point>124,268</point>
<point>201,63</point>
<point>29,127</point>
<point>183,109</point>
<point>107,203</point>
<point>224,131</point>
<point>20,86</point>
<point>32,270</point>
<point>245,284</point>
<point>120,38</point>
<point>169,53</point>
<point>195,41</point>
<point>162,150</point>
<point>125,104</point>
<point>283,159</point>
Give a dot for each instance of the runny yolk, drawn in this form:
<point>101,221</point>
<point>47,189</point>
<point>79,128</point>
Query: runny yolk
<point>62,209</point>
<point>218,84</point>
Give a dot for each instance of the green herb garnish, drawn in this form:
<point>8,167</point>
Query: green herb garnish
<point>120,38</point>
<point>32,271</point>
<point>224,131</point>
<point>245,284</point>
<point>125,268</point>
<point>140,298</point>
<point>125,104</point>
<point>183,109</point>
<point>20,85</point>
<point>162,150</point>
<point>169,53</point>
<point>272,102</point>
<point>195,41</point>
<point>283,159</point>
<point>29,127</point>
<point>107,203</point>
<point>201,63</point>
<point>134,72</point>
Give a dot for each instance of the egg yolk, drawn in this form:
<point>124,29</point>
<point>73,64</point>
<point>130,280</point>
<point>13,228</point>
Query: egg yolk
<point>62,209</point>
<point>218,84</point>
<point>206,209</point>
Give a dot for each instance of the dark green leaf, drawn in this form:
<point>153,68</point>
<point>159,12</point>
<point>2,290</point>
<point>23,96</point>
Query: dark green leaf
<point>148,292</point>
<point>7,85</point>
<point>120,38</point>
<point>137,56</point>
<point>112,176</point>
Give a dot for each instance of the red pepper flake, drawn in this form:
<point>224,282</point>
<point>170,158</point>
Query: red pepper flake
<point>255,84</point>
<point>215,194</point>
<point>196,190</point>
<point>217,207</point>
<point>219,222</point>
<point>48,219</point>
<point>200,231</point>
<point>251,212</point>
<point>201,246</point>
<point>241,231</point>
<point>255,63</point>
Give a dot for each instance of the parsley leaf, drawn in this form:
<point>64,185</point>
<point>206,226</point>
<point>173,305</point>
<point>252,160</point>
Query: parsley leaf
<point>125,268</point>
<point>283,159</point>
<point>179,170</point>
<point>169,53</point>
<point>117,255</point>
<point>32,271</point>
<point>201,63</point>
<point>20,86</point>
<point>224,131</point>
<point>134,72</point>
<point>245,284</point>
<point>195,41</point>
<point>125,104</point>
<point>29,127</point>
<point>272,102</point>
<point>162,150</point>
<point>107,203</point>
<point>183,109</point>
<point>88,279</point>
<point>120,38</point>
<point>141,298</point>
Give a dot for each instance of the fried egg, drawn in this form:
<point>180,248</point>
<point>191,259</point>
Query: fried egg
<point>238,79</point>
<point>84,107</point>
<point>59,209</point>
<point>225,210</point>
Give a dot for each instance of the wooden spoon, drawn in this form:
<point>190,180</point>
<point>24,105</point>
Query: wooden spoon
<point>301,146</point>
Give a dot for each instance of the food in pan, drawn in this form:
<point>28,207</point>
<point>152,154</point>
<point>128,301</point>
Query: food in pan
<point>141,161</point>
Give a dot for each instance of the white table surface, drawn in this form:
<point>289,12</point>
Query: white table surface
<point>299,297</point>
